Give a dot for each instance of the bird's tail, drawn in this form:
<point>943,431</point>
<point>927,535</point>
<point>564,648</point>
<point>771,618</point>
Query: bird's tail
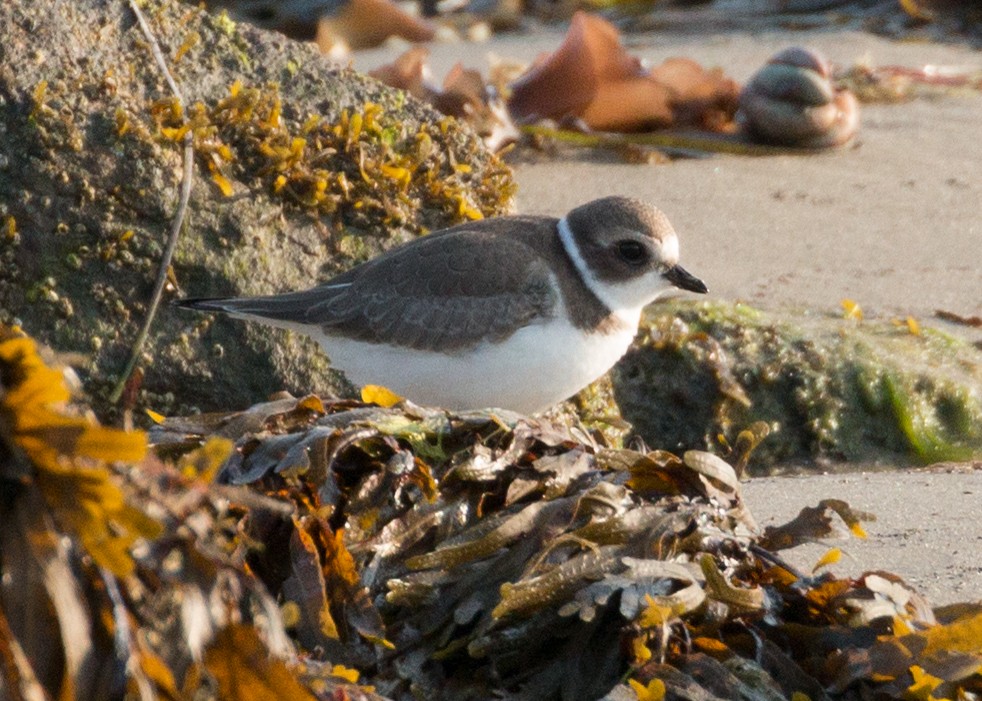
<point>284,310</point>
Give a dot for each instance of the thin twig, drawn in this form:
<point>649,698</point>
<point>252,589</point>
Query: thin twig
<point>179,215</point>
<point>157,53</point>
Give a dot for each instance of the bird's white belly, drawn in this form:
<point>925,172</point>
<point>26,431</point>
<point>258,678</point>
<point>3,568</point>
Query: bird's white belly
<point>531,370</point>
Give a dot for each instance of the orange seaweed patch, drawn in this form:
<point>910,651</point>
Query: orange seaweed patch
<point>592,77</point>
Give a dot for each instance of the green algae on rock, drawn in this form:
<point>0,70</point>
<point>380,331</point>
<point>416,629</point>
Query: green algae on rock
<point>301,169</point>
<point>831,389</point>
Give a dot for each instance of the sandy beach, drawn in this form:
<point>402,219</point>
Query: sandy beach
<point>892,222</point>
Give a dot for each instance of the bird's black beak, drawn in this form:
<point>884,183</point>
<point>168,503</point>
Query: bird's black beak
<point>684,280</point>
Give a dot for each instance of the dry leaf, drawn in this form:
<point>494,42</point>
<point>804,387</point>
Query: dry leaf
<point>362,24</point>
<point>464,94</point>
<point>592,77</point>
<point>383,396</point>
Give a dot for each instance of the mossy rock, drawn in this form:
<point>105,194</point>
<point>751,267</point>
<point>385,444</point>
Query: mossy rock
<point>301,169</point>
<point>830,389</point>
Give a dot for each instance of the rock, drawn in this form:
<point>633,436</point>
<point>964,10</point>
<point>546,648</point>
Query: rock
<point>830,389</point>
<point>301,169</point>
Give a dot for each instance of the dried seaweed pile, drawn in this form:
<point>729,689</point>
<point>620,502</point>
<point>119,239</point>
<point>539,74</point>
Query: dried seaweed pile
<point>429,555</point>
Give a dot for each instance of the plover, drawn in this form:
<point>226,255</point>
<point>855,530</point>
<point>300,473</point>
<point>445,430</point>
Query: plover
<point>516,312</point>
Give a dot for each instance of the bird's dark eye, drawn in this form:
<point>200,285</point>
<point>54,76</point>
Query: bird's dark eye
<point>632,251</point>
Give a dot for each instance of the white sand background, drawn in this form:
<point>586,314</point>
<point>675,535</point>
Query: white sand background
<point>894,223</point>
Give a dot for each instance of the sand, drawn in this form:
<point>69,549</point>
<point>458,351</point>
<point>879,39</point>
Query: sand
<point>894,223</point>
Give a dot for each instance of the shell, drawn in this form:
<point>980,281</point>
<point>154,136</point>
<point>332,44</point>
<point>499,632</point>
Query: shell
<point>791,101</point>
<point>713,467</point>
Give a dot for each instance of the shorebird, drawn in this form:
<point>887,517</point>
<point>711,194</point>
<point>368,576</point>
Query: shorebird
<point>517,312</point>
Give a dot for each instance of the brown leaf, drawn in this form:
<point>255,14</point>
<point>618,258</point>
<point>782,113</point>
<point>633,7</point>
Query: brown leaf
<point>344,587</point>
<point>703,98</point>
<point>462,91</point>
<point>362,24</point>
<point>464,94</point>
<point>567,81</point>
<point>592,77</point>
<point>405,72</point>
<point>305,586</point>
<point>813,522</point>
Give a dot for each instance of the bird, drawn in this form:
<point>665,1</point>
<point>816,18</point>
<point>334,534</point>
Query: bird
<point>515,312</point>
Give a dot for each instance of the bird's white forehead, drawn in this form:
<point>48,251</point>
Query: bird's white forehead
<point>670,249</point>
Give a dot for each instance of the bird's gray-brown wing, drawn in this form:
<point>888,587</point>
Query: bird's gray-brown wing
<point>440,294</point>
<point>448,291</point>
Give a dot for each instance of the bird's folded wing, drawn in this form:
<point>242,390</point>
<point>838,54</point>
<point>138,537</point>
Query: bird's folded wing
<point>431,295</point>
<point>436,295</point>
